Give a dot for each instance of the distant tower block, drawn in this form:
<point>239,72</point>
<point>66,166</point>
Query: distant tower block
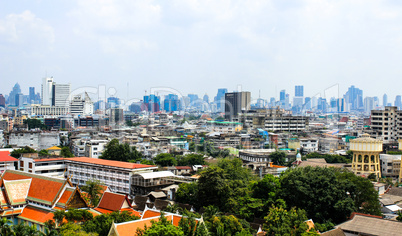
<point>366,155</point>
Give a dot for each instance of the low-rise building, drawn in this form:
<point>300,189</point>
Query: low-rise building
<point>7,162</point>
<point>114,174</point>
<point>52,167</point>
<point>34,139</point>
<point>95,148</point>
<point>146,182</point>
<point>390,165</point>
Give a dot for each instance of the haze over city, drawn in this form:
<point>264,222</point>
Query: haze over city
<point>200,46</point>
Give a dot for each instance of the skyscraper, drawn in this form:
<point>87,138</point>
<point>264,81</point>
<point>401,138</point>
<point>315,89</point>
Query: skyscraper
<point>354,97</point>
<point>299,91</point>
<point>205,98</point>
<point>60,93</point>
<point>31,99</point>
<point>235,103</point>
<point>398,102</point>
<point>282,95</point>
<point>384,100</point>
<point>47,91</point>
<point>11,98</point>
<point>220,99</point>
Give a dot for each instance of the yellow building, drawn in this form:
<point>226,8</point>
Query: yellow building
<point>366,155</point>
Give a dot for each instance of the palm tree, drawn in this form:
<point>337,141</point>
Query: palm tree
<point>93,188</point>
<point>5,228</point>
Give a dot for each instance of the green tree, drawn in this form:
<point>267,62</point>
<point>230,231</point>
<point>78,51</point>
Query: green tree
<point>162,227</point>
<point>190,160</point>
<point>120,152</point>
<point>279,221</point>
<point>43,152</point>
<point>66,152</point>
<point>5,228</point>
<point>71,229</point>
<point>187,193</point>
<point>94,189</point>
<point>58,217</point>
<point>328,194</point>
<point>17,152</point>
<point>165,159</point>
<point>399,217</point>
<point>35,124</point>
<point>101,224</point>
<point>278,158</point>
<point>78,215</point>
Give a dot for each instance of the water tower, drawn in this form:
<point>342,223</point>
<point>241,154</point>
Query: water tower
<point>366,155</point>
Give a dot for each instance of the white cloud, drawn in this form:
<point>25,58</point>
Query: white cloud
<point>26,29</point>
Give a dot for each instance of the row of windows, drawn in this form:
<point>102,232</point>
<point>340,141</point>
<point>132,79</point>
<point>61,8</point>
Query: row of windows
<point>100,169</point>
<point>100,177</point>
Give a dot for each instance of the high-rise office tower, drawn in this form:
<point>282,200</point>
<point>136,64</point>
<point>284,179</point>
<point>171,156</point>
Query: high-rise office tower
<point>47,91</point>
<point>299,91</point>
<point>31,98</point>
<point>11,98</point>
<point>398,102</point>
<point>384,100</point>
<point>60,94</point>
<point>235,103</point>
<point>354,97</point>
<point>220,99</point>
<point>205,98</point>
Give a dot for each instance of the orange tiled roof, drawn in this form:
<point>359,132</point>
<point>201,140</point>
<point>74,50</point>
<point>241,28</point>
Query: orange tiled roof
<point>112,201</point>
<point>36,215</point>
<point>5,157</point>
<point>12,212</point>
<point>103,211</point>
<point>43,189</point>
<point>132,211</point>
<point>129,228</point>
<point>66,196</point>
<point>17,190</point>
<point>150,213</point>
<point>119,164</point>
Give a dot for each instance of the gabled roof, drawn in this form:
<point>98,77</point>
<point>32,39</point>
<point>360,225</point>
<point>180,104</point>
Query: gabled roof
<point>112,201</point>
<point>3,200</point>
<point>129,228</point>
<point>5,157</point>
<point>42,189</point>
<point>149,213</point>
<point>368,225</point>
<point>65,197</point>
<point>17,190</point>
<point>54,148</point>
<point>36,215</point>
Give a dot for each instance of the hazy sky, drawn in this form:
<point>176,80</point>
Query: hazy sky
<point>199,46</point>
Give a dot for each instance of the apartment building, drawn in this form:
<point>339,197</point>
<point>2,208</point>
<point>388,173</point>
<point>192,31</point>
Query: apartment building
<point>114,174</point>
<point>34,139</point>
<point>387,124</point>
<point>390,165</point>
<point>95,148</point>
<point>51,167</point>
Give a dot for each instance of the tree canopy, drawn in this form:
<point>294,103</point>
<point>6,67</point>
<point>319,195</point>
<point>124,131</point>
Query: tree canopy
<point>165,159</point>
<point>120,152</point>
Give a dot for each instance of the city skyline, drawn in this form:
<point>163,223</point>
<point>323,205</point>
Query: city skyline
<point>267,46</point>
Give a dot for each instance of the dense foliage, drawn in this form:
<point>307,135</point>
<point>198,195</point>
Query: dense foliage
<point>35,124</point>
<point>94,189</point>
<point>120,152</point>
<point>278,158</point>
<point>326,195</point>
<point>17,152</point>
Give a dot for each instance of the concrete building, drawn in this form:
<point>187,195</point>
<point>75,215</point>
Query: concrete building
<point>114,174</point>
<point>235,103</point>
<point>52,167</point>
<point>116,116</point>
<point>47,91</point>
<point>95,148</point>
<point>81,106</point>
<point>34,139</point>
<point>256,155</point>
<point>60,95</point>
<point>309,145</point>
<point>390,165</point>
<point>387,123</point>
<point>7,162</point>
<point>46,110</point>
<point>366,159</point>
